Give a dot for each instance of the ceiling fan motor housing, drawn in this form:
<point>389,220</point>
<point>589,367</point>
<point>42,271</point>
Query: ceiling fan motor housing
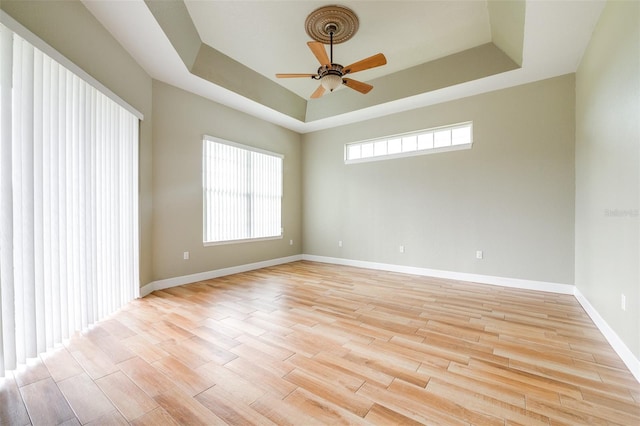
<point>333,69</point>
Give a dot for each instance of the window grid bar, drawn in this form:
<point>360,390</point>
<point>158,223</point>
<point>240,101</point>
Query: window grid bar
<point>427,141</point>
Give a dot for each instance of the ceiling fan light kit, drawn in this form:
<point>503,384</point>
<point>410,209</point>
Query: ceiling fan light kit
<point>332,25</point>
<point>331,81</point>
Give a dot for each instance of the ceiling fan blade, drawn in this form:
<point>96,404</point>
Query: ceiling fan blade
<point>320,52</point>
<point>294,75</point>
<point>318,93</point>
<point>357,85</point>
<point>370,62</point>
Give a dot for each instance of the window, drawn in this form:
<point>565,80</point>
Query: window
<point>428,141</point>
<point>242,193</point>
<point>68,199</point>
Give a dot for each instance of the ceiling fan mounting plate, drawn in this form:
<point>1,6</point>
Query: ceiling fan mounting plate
<point>339,19</point>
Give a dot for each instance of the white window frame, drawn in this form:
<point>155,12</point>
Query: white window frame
<point>205,176</point>
<point>377,144</point>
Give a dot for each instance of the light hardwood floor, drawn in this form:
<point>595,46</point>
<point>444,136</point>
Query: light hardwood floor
<point>308,343</point>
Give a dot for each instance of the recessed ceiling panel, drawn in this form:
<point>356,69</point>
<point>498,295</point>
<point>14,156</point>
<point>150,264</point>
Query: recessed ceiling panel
<point>269,36</point>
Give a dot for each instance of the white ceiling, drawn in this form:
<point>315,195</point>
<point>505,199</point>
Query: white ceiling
<point>269,37</point>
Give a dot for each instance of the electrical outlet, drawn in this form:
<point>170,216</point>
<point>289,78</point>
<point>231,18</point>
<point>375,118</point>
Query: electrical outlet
<point>290,242</point>
<point>623,302</point>
<point>185,255</point>
<point>339,243</point>
<point>401,248</point>
<point>479,254</point>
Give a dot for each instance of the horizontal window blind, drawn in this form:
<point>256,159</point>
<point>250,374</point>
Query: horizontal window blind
<point>242,192</point>
<point>69,197</point>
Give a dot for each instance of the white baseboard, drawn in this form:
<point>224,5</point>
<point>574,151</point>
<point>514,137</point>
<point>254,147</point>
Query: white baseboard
<point>460,276</point>
<point>612,337</point>
<point>207,275</point>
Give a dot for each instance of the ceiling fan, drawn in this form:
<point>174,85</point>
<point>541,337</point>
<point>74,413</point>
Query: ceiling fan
<point>328,21</point>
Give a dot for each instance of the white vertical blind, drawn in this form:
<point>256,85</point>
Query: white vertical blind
<point>242,192</point>
<point>69,202</point>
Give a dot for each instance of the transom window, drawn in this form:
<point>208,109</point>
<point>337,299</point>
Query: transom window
<point>242,192</point>
<point>428,141</point>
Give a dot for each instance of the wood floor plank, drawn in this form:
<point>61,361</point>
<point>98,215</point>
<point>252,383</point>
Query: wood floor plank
<point>33,371</point>
<point>13,411</point>
<point>265,348</point>
<point>605,412</point>
<point>408,407</point>
<point>283,413</point>
<point>307,343</point>
<point>155,417</point>
<point>187,410</point>
<point>492,375</point>
<point>71,422</point>
<point>250,353</point>
<point>184,354</point>
<point>530,379</point>
<point>85,398</point>
<point>563,415</point>
<point>214,336</point>
<point>236,384</point>
<point>114,418</point>
<point>355,369</point>
<point>95,362</point>
<point>165,330</point>
<point>61,364</point>
<point>229,409</point>
<point>117,329</point>
<point>127,397</point>
<point>326,372</point>
<point>45,403</point>
<point>323,409</point>
<point>188,379</point>
<point>455,407</point>
<point>143,348</point>
<point>385,416</point>
<point>146,377</point>
<point>112,347</point>
<point>473,399</point>
<point>263,378</point>
<point>330,392</point>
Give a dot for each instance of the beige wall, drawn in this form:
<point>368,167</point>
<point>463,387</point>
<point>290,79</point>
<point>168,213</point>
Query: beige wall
<point>180,121</point>
<point>73,31</point>
<point>607,221</point>
<point>511,195</point>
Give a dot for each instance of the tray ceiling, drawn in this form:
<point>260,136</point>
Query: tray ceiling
<point>229,51</point>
